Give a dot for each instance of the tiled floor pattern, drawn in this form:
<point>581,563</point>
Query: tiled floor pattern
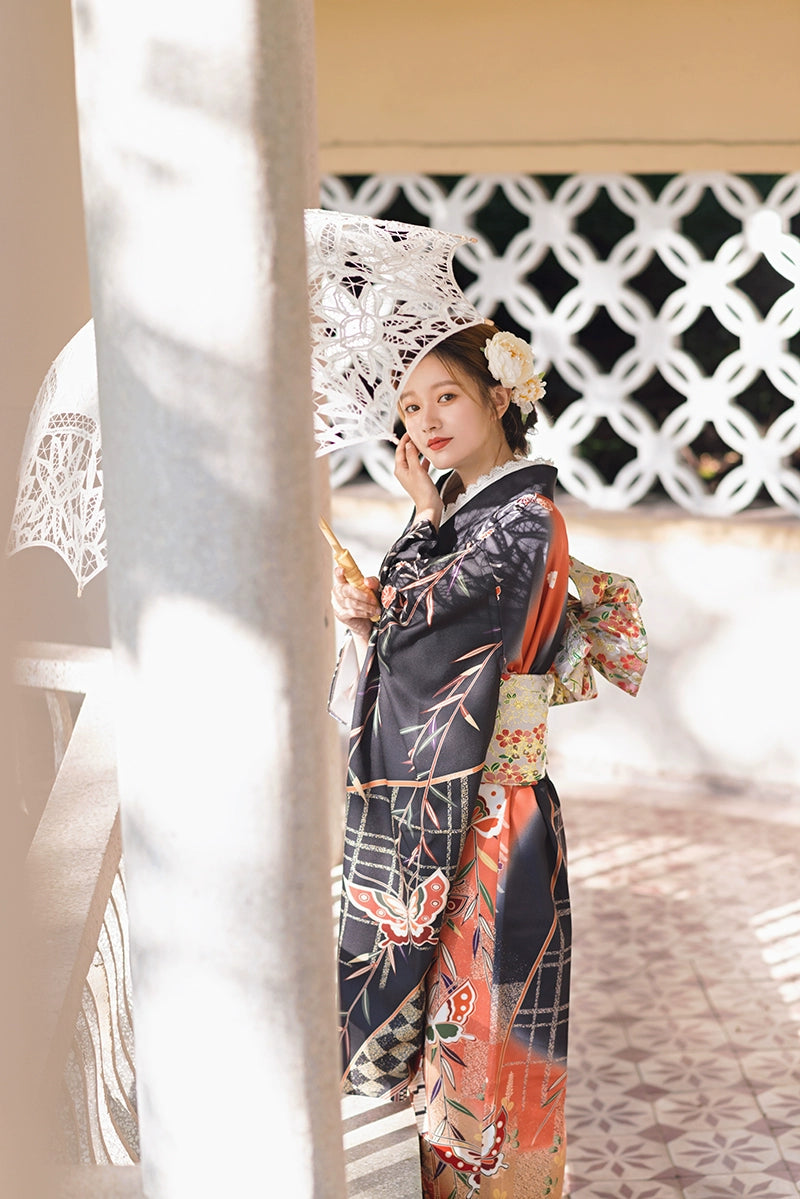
<point>684,1071</point>
<point>684,1068</point>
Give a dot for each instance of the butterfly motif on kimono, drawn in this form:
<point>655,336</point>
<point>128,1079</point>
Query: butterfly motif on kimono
<point>490,809</point>
<point>401,923</point>
<point>448,1021</point>
<point>465,1160</point>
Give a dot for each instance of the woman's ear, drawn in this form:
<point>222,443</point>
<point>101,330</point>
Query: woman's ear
<point>501,398</point>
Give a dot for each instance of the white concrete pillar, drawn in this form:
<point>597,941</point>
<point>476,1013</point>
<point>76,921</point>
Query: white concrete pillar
<point>192,119</point>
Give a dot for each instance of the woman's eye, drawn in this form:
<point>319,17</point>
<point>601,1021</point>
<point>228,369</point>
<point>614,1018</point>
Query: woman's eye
<point>410,408</point>
<point>448,395</point>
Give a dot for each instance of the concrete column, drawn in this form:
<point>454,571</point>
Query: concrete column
<point>192,119</point>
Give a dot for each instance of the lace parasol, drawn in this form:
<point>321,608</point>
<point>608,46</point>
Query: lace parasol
<point>60,491</point>
<point>381,295</point>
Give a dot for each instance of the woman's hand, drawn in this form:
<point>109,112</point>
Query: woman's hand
<point>411,472</point>
<point>354,606</point>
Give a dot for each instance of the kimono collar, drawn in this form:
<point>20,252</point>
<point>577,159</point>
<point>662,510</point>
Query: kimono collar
<point>498,487</point>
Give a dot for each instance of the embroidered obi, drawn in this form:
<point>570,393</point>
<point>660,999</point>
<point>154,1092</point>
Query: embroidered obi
<point>604,631</point>
<point>517,753</point>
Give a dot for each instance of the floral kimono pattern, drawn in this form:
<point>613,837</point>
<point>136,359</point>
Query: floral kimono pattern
<point>455,937</point>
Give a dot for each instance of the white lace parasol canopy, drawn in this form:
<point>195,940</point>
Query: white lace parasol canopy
<point>381,294</point>
<point>60,490</point>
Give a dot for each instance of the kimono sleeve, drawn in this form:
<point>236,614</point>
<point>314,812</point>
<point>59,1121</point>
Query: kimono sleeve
<point>341,698</point>
<point>514,564</point>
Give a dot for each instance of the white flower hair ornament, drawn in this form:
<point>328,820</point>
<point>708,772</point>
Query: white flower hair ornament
<point>510,361</point>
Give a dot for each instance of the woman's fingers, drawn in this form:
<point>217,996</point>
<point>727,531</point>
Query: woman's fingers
<point>412,455</point>
<point>353,603</point>
<point>411,472</point>
<point>406,454</point>
<point>368,591</point>
<point>409,468</point>
<point>400,463</point>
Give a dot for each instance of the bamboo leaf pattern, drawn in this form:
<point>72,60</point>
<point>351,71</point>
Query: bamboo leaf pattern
<point>456,615</point>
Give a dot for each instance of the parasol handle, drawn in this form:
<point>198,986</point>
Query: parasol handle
<point>344,559</point>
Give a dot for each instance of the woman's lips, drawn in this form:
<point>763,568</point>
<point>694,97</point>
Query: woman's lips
<point>438,443</point>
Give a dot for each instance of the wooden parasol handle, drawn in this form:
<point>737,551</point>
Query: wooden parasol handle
<point>344,559</point>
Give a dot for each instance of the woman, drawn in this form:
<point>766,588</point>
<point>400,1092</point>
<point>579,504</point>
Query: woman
<point>455,927</point>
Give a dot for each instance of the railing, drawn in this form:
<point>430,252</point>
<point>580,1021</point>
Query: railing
<point>662,366</point>
<point>83,1056</point>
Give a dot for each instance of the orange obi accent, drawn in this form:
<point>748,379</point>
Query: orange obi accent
<point>604,631</point>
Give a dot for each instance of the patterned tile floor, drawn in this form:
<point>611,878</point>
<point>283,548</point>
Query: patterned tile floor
<point>684,1071</point>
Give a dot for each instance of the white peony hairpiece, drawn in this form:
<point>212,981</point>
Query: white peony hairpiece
<point>510,361</point>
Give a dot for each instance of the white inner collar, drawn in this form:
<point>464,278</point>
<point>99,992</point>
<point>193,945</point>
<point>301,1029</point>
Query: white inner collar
<point>497,472</point>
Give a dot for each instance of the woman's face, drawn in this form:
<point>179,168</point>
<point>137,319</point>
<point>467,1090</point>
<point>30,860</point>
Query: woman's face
<point>450,426</point>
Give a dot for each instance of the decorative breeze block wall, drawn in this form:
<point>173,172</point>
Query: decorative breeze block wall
<point>661,397</point>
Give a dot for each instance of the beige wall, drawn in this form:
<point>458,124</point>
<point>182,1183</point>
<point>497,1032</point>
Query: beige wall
<point>429,85</point>
<point>44,289</point>
<point>559,85</point>
<point>44,285</point>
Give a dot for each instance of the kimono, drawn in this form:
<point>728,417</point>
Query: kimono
<point>454,947</point>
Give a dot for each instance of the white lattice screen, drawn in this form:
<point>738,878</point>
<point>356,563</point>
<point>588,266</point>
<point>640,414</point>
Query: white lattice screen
<point>760,453</point>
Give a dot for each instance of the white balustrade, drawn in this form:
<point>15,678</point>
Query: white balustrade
<point>83,1060</point>
<point>765,458</point>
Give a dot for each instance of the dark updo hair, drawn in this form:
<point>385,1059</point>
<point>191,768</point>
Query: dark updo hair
<point>462,354</point>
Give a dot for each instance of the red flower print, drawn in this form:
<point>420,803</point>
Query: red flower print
<point>616,623</point>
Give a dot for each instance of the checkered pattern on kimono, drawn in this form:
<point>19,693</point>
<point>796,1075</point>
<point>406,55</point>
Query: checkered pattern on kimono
<point>376,855</point>
<point>385,1055</point>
